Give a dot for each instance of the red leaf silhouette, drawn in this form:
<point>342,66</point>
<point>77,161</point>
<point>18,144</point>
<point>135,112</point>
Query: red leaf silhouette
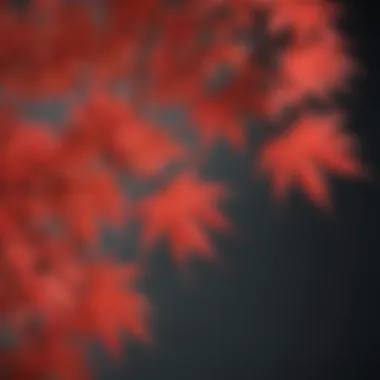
<point>315,144</point>
<point>180,212</point>
<point>215,120</point>
<point>315,69</point>
<point>49,355</point>
<point>136,145</point>
<point>303,17</point>
<point>110,307</point>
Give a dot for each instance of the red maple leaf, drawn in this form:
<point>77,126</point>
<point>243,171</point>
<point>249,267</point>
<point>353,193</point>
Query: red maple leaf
<point>317,69</point>
<point>180,212</point>
<point>87,201</point>
<point>314,145</point>
<point>215,120</point>
<point>111,307</point>
<point>145,150</point>
<point>223,114</point>
<point>303,17</point>
<point>49,355</point>
<point>116,132</point>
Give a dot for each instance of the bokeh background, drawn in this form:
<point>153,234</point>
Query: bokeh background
<point>300,297</point>
<point>300,300</point>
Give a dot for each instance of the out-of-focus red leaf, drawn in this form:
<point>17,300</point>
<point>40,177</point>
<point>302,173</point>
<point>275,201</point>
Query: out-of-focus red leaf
<point>213,119</point>
<point>145,150</point>
<point>316,69</point>
<point>304,18</point>
<point>116,132</point>
<point>48,356</point>
<point>180,212</point>
<point>111,306</point>
<point>315,145</point>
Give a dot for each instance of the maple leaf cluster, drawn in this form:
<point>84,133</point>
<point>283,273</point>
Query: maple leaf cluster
<point>228,64</point>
